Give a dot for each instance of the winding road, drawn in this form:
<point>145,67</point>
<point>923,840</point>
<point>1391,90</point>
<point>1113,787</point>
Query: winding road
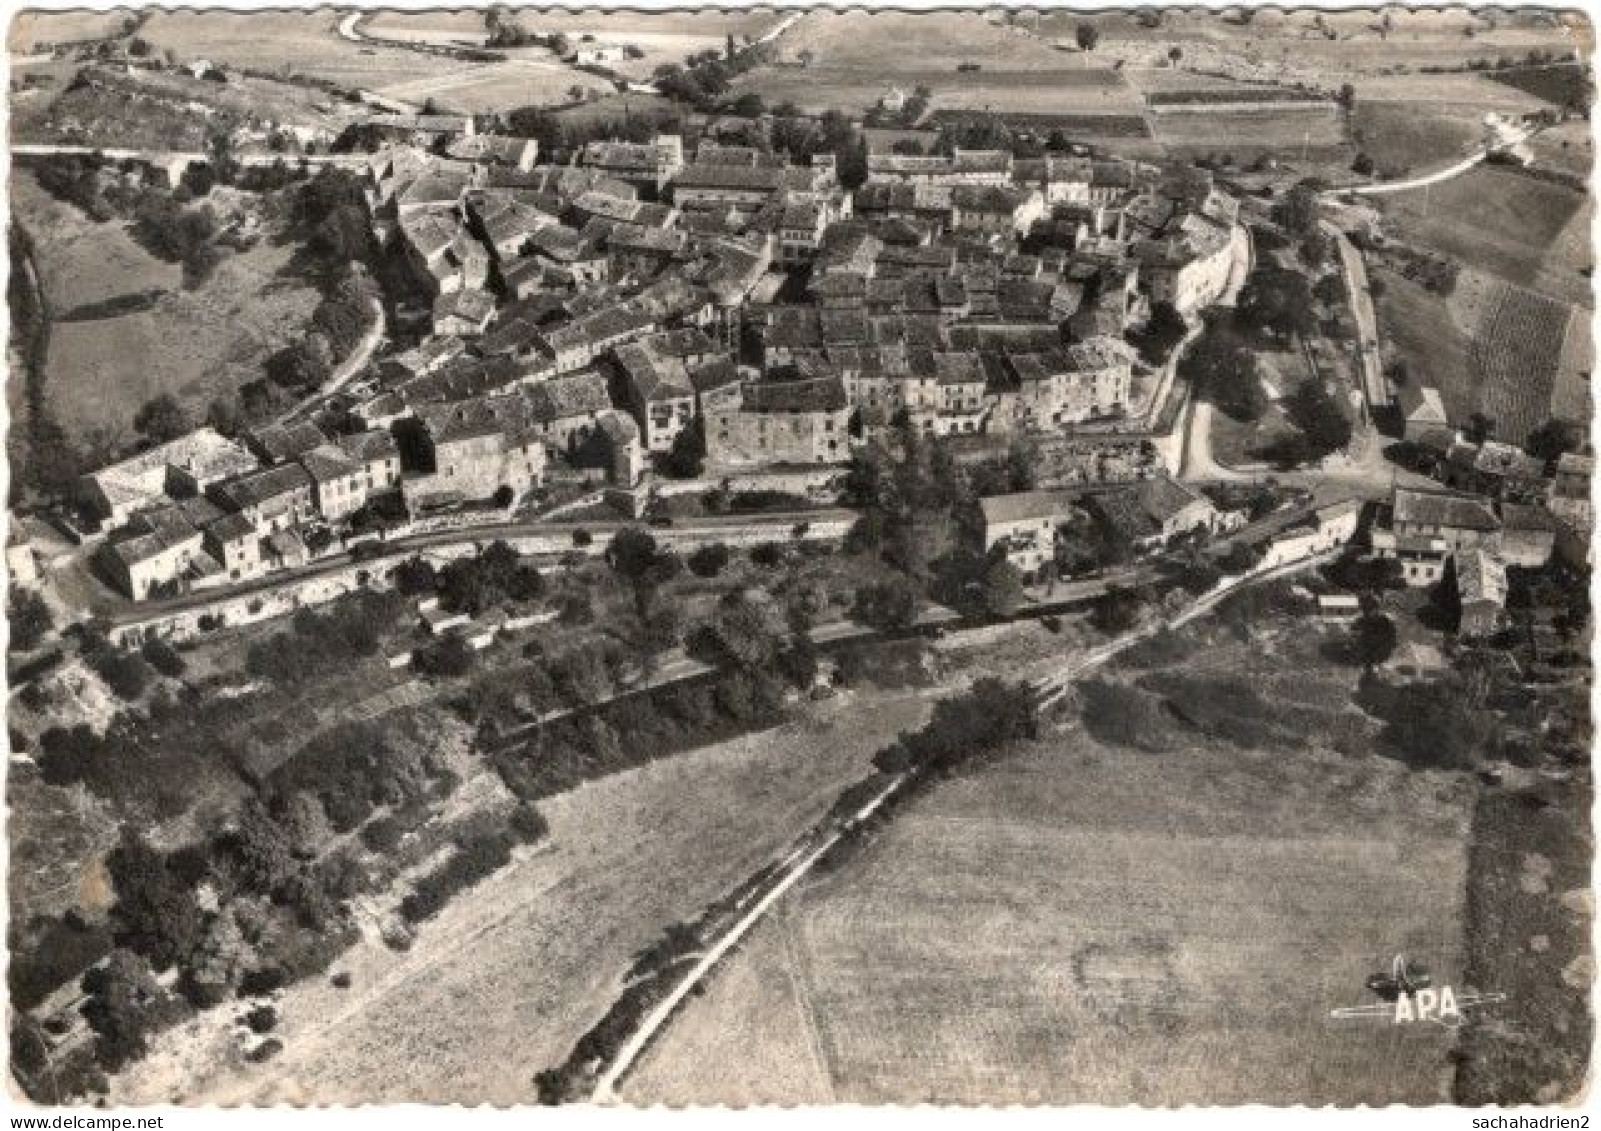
<point>1384,188</point>
<point>795,868</point>
<point>347,369</point>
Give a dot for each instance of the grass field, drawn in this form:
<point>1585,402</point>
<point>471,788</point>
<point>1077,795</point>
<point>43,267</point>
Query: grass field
<point>1079,923</point>
<point>476,88</point>
<point>503,981</point>
<point>1527,231</point>
<point>1492,347</point>
<point>664,37</point>
<point>1467,93</point>
<point>1240,129</point>
<point>853,58</point>
<point>287,42</point>
<point>193,344</point>
<point>1435,348</point>
<point>1568,148</point>
<point>31,28</point>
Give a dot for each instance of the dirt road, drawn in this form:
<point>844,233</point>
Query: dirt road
<point>503,982</point>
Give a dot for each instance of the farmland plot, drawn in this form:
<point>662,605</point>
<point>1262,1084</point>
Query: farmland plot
<point>1078,923</point>
<point>1405,136</point>
<point>1498,221</point>
<point>1571,398</point>
<point>1517,353</point>
<point>488,87</point>
<point>287,42</point>
<point>31,29</point>
<point>507,977</point>
<point>850,60</point>
<point>1245,129</point>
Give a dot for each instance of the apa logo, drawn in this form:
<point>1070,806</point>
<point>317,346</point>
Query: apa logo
<point>1409,995</point>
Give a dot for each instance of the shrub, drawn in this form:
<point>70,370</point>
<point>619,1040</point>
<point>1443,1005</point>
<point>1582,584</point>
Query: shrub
<point>382,834</point>
<point>163,657</point>
<point>888,606</point>
<point>29,618</point>
<point>708,560</point>
<point>126,674</point>
<point>445,658</point>
<point>768,555</point>
<point>266,1050</point>
<point>964,727</point>
<point>1123,716</point>
<point>416,577</point>
<point>529,823</point>
<point>478,856</point>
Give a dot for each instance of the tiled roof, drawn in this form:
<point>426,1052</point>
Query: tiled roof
<point>1437,508</point>
<point>1027,506</point>
<point>575,394</point>
<point>263,486</point>
<point>814,394</point>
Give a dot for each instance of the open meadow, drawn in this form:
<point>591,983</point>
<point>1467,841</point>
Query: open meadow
<point>287,43</point>
<point>194,344</point>
<point>1315,129</point>
<point>1084,922</point>
<point>1502,222</point>
<point>849,60</point>
<point>483,88</point>
<point>34,30</point>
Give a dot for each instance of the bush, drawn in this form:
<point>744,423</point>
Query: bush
<point>708,561</point>
<point>1117,611</point>
<point>416,577</point>
<point>529,823</point>
<point>1123,716</point>
<point>163,657</point>
<point>126,674</point>
<point>478,856</point>
<point>266,1050</point>
<point>262,1019</point>
<point>965,727</point>
<point>888,606</point>
<point>449,657</point>
<point>768,555</point>
<point>382,834</point>
<point>29,618</point>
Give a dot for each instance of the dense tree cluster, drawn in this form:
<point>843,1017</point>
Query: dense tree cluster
<point>28,617</point>
<point>498,576</point>
<point>320,641</point>
<point>964,729</point>
<point>1222,369</point>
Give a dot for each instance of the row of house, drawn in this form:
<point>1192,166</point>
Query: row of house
<point>209,510</point>
<point>1431,533</point>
